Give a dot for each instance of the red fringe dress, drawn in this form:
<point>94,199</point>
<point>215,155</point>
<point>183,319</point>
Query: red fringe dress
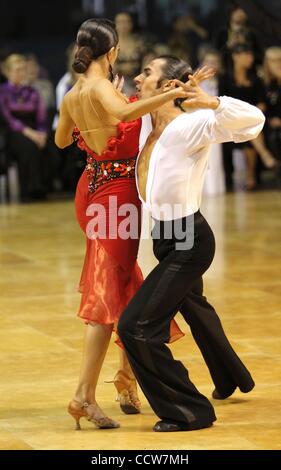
<point>110,275</point>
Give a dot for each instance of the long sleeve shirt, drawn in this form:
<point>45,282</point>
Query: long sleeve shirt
<point>179,158</point>
<point>22,106</point>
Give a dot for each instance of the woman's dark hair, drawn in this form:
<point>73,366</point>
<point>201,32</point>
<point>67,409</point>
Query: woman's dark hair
<point>95,38</point>
<point>174,68</point>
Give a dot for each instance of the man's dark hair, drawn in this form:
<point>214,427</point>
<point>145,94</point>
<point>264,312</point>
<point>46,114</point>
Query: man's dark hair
<point>174,68</point>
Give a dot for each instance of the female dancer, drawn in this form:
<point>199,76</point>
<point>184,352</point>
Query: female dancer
<point>109,128</point>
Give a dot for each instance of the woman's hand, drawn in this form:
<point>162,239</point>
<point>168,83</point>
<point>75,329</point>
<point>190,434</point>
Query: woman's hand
<point>118,82</point>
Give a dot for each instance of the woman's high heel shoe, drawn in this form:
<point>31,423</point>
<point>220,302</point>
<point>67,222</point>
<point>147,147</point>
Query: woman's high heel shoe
<point>87,410</point>
<point>127,393</point>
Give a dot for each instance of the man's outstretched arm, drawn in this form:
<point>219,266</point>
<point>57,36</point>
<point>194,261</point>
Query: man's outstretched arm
<point>230,119</point>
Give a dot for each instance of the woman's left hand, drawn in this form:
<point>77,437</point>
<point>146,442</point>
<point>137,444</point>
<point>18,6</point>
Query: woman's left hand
<point>118,82</point>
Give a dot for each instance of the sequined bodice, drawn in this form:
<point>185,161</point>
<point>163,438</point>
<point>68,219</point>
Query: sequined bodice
<point>117,160</point>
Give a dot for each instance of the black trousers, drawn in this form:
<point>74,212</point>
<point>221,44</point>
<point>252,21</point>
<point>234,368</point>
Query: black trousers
<point>176,284</point>
<point>30,161</point>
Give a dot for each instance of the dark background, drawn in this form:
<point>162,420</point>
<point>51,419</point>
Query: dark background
<point>46,28</point>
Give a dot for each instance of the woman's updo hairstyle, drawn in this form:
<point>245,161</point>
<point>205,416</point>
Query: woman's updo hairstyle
<point>94,39</point>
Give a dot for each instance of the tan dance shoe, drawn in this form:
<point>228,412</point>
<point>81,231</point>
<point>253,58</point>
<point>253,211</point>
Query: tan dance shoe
<point>127,393</point>
<point>91,412</point>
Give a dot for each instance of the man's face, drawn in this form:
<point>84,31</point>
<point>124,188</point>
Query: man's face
<point>147,81</point>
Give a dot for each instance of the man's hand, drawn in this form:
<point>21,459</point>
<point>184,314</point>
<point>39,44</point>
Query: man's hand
<point>196,97</point>
<point>204,73</point>
<point>200,75</point>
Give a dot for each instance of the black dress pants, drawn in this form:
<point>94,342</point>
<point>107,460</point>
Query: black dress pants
<point>225,367</point>
<point>176,284</point>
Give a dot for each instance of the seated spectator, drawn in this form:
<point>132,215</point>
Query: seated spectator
<point>24,113</point>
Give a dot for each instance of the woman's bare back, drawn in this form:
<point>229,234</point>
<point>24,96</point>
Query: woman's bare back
<point>95,124</point>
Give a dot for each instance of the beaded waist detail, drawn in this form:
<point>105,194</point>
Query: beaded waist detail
<point>101,172</point>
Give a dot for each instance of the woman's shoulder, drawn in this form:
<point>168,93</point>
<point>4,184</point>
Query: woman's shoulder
<point>73,92</point>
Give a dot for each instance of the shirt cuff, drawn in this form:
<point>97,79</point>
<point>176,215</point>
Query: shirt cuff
<point>222,104</point>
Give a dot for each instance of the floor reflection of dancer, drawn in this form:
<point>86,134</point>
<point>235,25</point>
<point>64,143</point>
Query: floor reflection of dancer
<point>109,133</point>
<point>170,175</point>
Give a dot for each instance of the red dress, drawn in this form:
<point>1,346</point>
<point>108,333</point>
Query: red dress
<point>110,275</point>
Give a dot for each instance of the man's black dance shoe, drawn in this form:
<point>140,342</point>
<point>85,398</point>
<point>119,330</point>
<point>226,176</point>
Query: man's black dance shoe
<point>173,426</point>
<point>222,396</point>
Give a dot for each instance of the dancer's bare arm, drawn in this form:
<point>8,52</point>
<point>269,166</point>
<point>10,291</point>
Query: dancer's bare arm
<point>63,135</point>
<point>116,106</point>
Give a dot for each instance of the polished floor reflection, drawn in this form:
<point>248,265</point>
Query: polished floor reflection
<point>41,255</point>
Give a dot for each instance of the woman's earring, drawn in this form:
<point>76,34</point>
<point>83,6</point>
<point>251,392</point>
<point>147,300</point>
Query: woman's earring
<point>111,76</point>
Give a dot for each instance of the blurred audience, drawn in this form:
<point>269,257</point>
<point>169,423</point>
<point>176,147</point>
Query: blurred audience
<point>29,106</point>
<point>24,113</point>
<point>237,32</point>
<point>155,51</point>
<point>241,81</point>
<point>272,80</point>
<point>214,181</point>
<point>71,159</point>
<point>132,49</point>
<point>67,81</point>
<point>43,85</point>
<point>186,37</point>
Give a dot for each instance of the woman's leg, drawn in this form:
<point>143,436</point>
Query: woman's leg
<point>265,154</point>
<point>96,344</point>
<point>251,158</point>
<point>126,386</point>
<point>124,364</point>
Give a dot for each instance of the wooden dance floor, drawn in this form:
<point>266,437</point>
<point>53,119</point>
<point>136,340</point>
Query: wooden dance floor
<point>41,255</point>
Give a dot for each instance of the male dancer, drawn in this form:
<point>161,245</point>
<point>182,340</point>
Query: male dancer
<point>170,174</point>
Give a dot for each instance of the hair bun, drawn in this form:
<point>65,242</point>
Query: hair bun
<point>83,58</point>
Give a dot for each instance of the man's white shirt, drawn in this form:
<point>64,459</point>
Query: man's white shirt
<point>179,158</point>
